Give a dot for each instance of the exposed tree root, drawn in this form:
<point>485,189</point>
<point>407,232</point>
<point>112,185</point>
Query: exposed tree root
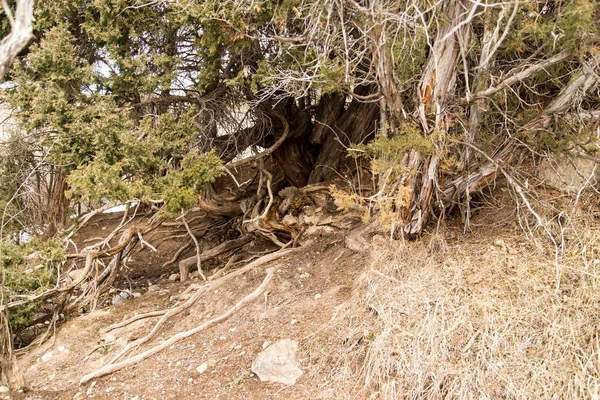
<point>133,319</point>
<point>195,239</point>
<point>108,369</point>
<point>187,263</point>
<point>177,254</point>
<point>179,309</point>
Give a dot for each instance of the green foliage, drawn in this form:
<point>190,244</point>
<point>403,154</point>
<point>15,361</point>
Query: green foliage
<point>181,188</point>
<point>388,151</point>
<point>29,269</point>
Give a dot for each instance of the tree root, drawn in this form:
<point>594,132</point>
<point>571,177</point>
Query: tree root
<point>110,368</point>
<point>133,319</point>
<point>187,263</point>
<point>177,254</point>
<point>179,309</point>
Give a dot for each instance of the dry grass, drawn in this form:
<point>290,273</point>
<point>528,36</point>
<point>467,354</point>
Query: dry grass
<point>480,318</point>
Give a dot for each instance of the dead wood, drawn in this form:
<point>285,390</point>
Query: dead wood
<point>195,239</point>
<point>187,263</point>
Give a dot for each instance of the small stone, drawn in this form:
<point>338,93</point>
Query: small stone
<point>4,389</point>
<point>305,275</point>
<point>174,277</point>
<point>137,295</point>
<point>290,219</point>
<point>317,296</point>
<point>379,240</point>
<point>499,243</point>
<point>76,274</point>
<point>153,288</point>
<point>63,349</point>
<point>266,344</point>
<point>78,395</point>
<point>294,322</point>
<point>108,338</point>
<point>202,368</point>
<point>47,357</point>
<point>121,297</point>
<point>239,346</point>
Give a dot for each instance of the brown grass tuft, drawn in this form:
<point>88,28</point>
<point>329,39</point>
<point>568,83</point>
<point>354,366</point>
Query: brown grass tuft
<point>482,319</point>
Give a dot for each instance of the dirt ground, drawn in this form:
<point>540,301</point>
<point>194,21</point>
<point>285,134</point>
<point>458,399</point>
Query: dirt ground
<point>308,286</point>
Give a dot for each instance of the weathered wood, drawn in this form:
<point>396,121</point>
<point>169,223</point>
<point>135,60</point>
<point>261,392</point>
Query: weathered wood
<point>187,263</point>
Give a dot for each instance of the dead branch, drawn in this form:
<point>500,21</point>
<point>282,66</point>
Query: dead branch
<point>21,33</point>
<point>108,369</point>
<point>270,150</point>
<point>187,263</point>
<point>527,72</point>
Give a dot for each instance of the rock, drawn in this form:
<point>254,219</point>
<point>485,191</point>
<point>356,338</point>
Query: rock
<point>277,363</point>
<point>320,199</point>
<point>76,274</point>
<point>153,288</point>
<point>121,297</point>
<point>202,368</point>
<point>47,357</point>
<point>318,296</point>
<point>305,275</point>
<point>4,389</point>
<point>174,277</point>
<point>266,344</point>
<point>108,338</point>
<point>568,173</point>
<point>137,295</point>
<point>63,349</point>
<point>288,195</point>
<point>290,219</point>
<point>78,395</point>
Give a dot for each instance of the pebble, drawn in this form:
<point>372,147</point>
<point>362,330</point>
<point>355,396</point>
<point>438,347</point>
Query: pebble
<point>3,389</point>
<point>294,322</point>
<point>317,296</point>
<point>202,368</point>
<point>174,277</point>
<point>153,288</point>
<point>108,338</point>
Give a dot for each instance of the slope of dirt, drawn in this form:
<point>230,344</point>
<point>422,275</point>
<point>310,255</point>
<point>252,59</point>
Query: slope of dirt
<point>484,315</point>
<point>309,284</point>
